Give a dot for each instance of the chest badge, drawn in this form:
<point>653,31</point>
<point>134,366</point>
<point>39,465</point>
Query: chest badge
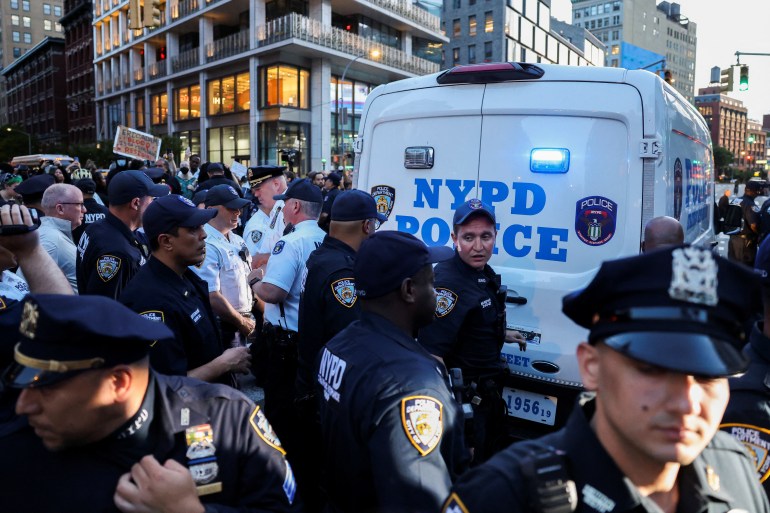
<point>345,292</point>
<point>385,198</point>
<point>256,236</point>
<point>201,454</point>
<point>422,422</point>
<point>445,301</point>
<point>107,267</point>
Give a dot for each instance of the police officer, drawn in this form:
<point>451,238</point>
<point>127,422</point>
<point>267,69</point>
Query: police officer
<point>331,190</point>
<point>663,334</point>
<point>470,323</point>
<point>266,225</point>
<point>94,211</point>
<point>109,253</point>
<point>743,246</point>
<point>167,291</point>
<point>227,265</point>
<point>32,189</point>
<point>392,432</point>
<point>106,430</point>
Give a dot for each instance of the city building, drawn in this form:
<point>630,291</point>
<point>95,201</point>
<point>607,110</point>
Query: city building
<point>766,130</point>
<point>517,30</point>
<point>642,35</point>
<point>282,81</point>
<point>728,121</point>
<point>755,146</point>
<point>79,58</point>
<point>37,95</point>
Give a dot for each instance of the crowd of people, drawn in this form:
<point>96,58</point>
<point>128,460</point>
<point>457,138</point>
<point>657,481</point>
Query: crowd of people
<point>131,308</point>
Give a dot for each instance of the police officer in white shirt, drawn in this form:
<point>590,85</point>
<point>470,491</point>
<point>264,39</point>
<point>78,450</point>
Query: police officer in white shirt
<point>280,289</point>
<point>266,226</point>
<point>227,265</point>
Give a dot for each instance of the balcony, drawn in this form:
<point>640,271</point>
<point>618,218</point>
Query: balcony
<point>185,60</point>
<point>227,46</point>
<point>407,9</point>
<point>156,70</point>
<point>295,26</point>
<point>138,75</point>
<point>180,9</point>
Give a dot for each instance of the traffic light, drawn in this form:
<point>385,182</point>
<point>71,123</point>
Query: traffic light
<point>744,83</point>
<point>134,15</point>
<point>152,13</point>
<point>726,79</point>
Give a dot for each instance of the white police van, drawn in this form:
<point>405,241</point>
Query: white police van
<point>574,160</point>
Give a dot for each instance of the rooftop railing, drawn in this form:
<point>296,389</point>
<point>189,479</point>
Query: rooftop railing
<point>409,11</point>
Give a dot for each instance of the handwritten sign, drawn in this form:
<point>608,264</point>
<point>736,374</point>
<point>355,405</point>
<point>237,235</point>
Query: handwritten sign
<point>135,144</point>
<point>238,169</point>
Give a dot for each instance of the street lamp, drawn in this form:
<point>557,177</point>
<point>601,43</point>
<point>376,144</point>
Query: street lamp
<point>29,138</point>
<point>373,54</point>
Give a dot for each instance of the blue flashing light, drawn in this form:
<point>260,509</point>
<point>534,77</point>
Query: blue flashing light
<point>549,160</point>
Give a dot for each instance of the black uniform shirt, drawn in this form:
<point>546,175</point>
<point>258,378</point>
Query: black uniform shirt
<point>109,255</point>
<point>328,304</point>
<point>721,478</point>
<point>392,432</point>
<point>750,216</point>
<point>464,333</point>
<point>94,212</point>
<point>182,303</point>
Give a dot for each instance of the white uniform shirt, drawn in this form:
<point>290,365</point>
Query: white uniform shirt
<point>262,231</point>
<point>286,269</point>
<point>224,269</point>
<point>12,287</point>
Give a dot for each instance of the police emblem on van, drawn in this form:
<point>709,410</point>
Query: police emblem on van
<point>385,198</point>
<point>595,220</point>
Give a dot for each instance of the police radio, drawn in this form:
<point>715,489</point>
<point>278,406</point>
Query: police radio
<point>458,388</point>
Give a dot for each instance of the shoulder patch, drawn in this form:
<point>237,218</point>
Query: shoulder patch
<point>454,505</point>
<point>256,236</point>
<point>756,440</point>
<point>445,301</point>
<point>153,315</point>
<point>421,417</point>
<point>344,291</point>
<point>107,266</point>
<point>265,431</point>
<point>278,247</point>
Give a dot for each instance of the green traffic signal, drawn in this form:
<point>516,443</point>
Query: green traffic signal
<point>744,81</point>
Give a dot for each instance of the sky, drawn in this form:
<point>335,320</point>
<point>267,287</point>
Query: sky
<point>723,29</point>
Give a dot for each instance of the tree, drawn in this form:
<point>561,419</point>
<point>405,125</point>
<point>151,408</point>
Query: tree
<point>722,158</point>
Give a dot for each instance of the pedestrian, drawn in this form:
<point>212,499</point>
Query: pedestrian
<point>216,174</point>
<point>470,326</point>
<point>94,210</point>
<point>109,253</point>
<point>391,429</point>
<point>331,189</point>
<point>316,178</point>
<point>109,433</point>
<point>743,246</point>
<point>8,194</point>
<point>266,225</point>
<point>166,290</point>
<point>187,181</point>
<point>664,328</point>
<point>662,232</point>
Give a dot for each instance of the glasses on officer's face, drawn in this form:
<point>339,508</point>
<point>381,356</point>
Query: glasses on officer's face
<point>79,205</point>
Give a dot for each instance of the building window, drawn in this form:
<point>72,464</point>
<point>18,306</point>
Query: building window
<point>455,55</point>
<point>16,37</point>
<point>47,25</point>
<point>285,86</point>
<point>228,142</point>
<point>15,19</point>
<point>14,4</point>
<point>25,5</point>
<point>187,103</point>
<point>488,50</point>
<point>58,26</point>
<point>16,52</point>
<point>159,108</point>
<point>456,30</point>
<point>471,2</point>
<point>286,144</point>
<point>26,21</point>
<point>140,113</point>
<point>471,54</point>
<point>28,38</point>
<point>472,25</point>
<point>615,49</point>
<point>229,94</point>
<point>427,49</point>
<point>489,24</point>
<point>47,9</point>
<point>57,10</point>
<point>456,4</point>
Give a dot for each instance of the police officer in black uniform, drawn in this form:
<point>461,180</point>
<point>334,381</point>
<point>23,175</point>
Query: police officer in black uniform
<point>109,253</point>
<point>94,211</point>
<point>470,324</point>
<point>664,331</point>
<point>743,246</point>
<point>391,429</point>
<point>331,190</point>
<point>107,433</point>
<point>32,190</point>
<point>167,291</point>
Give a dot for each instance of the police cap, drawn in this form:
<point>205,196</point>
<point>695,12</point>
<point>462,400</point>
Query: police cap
<point>165,214</point>
<point>679,308</point>
<point>334,177</point>
<point>355,205</point>
<point>471,208</point>
<point>200,197</point>
<point>226,196</point>
<point>33,188</point>
<point>264,172</point>
<point>385,259</point>
<point>754,185</point>
<point>302,190</point>
<point>62,335</point>
<point>86,186</point>
<point>127,185</point>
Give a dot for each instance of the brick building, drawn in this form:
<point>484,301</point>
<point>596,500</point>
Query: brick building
<point>79,56</point>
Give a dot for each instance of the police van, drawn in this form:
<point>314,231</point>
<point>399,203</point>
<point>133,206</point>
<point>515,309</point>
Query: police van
<point>574,161</point>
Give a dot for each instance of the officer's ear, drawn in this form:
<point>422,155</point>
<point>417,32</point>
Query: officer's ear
<point>136,203</point>
<point>164,242</point>
<point>407,290</point>
<point>588,363</point>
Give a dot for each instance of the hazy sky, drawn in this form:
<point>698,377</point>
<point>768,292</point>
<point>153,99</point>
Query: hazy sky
<point>723,29</point>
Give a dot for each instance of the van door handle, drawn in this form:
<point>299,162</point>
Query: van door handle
<point>516,300</point>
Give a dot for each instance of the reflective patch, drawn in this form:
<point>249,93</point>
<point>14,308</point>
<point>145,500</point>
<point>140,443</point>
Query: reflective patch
<point>256,236</point>
<point>201,453</point>
<point>421,417</point>
<point>278,247</point>
<point>595,220</point>
<point>265,431</point>
<point>289,484</point>
<point>756,440</point>
<point>153,315</point>
<point>445,301</point>
<point>107,267</point>
<point>454,505</point>
<point>385,198</point>
<point>345,292</point>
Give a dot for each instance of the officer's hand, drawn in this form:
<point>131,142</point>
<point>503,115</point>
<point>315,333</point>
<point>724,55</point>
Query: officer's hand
<point>247,327</point>
<point>237,359</point>
<point>154,488</point>
<point>17,229</point>
<point>514,337</point>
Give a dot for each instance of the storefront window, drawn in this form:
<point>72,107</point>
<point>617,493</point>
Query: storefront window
<point>228,94</point>
<point>187,103</point>
<point>285,86</point>
<point>159,105</point>
<point>346,105</point>
<point>190,139</point>
<point>227,142</point>
<point>285,144</point>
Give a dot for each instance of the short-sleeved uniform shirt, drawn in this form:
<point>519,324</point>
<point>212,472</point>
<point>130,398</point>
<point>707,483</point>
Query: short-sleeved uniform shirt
<point>392,432</point>
<point>262,230</point>
<point>286,270</point>
<point>225,269</point>
<point>13,288</point>
<point>109,255</point>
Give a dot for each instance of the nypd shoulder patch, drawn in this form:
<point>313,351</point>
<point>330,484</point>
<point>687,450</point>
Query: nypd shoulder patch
<point>265,431</point>
<point>153,315</point>
<point>278,247</point>
<point>344,291</point>
<point>107,267</point>
<point>256,236</point>
<point>454,505</point>
<point>445,301</point>
<point>421,418</point>
<point>756,440</point>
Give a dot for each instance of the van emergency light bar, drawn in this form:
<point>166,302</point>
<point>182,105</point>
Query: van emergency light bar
<point>490,73</point>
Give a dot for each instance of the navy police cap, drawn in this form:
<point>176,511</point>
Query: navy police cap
<point>472,207</point>
<point>679,308</point>
<point>35,186</point>
<point>226,196</point>
<point>165,214</point>
<point>62,335</point>
<point>127,185</point>
<point>302,190</point>
<point>355,205</point>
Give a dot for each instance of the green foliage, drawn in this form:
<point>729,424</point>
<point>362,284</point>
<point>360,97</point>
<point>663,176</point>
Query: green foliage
<point>722,158</point>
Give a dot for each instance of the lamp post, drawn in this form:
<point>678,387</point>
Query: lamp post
<point>374,54</point>
<point>29,138</point>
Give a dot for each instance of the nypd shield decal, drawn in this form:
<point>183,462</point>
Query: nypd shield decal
<point>107,267</point>
<point>756,440</point>
<point>595,220</point>
<point>385,198</point>
<point>421,418</point>
<point>344,291</point>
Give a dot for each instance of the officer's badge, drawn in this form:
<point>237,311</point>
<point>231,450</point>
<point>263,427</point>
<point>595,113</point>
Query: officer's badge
<point>756,440</point>
<point>345,292</point>
<point>445,301</point>
<point>595,220</point>
<point>107,267</point>
<point>256,236</point>
<point>153,315</point>
<point>265,431</point>
<point>475,204</point>
<point>29,315</point>
<point>278,247</point>
<point>201,454</point>
<point>693,276</point>
<point>385,198</point>
<point>421,417</point>
<point>454,505</point>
